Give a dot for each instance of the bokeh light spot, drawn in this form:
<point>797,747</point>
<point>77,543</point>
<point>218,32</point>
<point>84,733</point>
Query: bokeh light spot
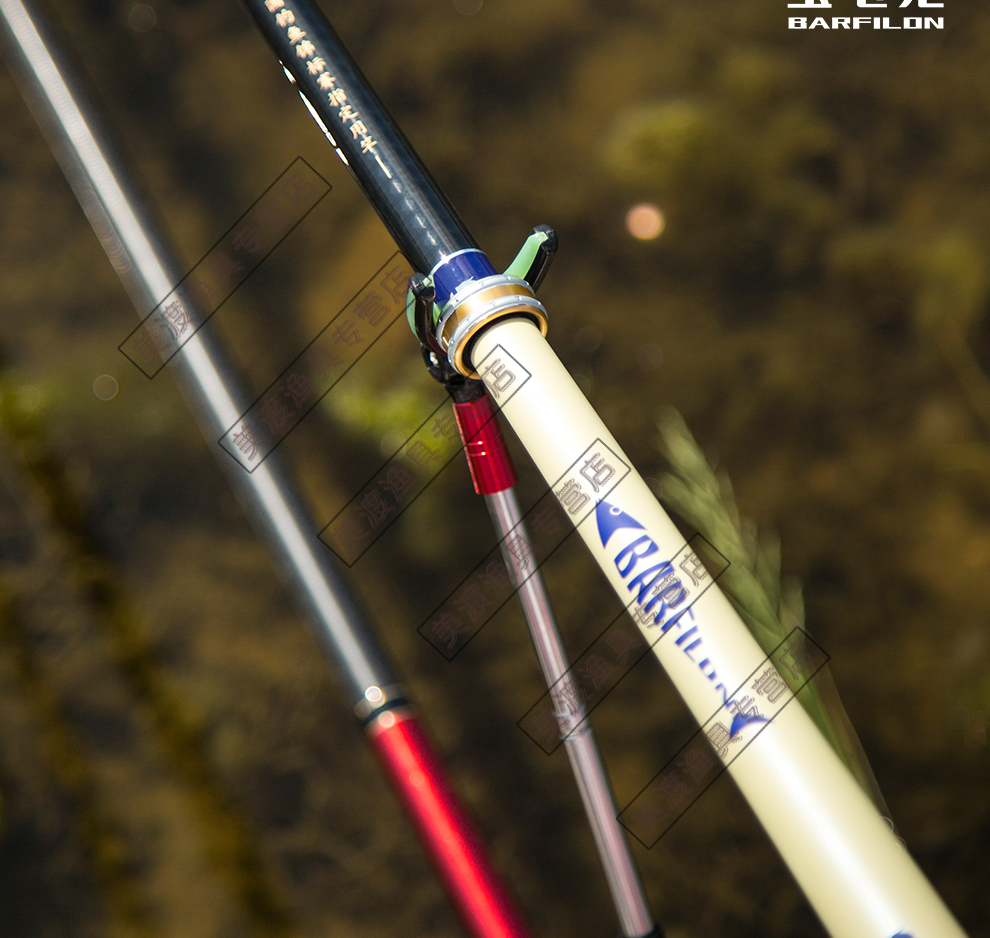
<point>649,357</point>
<point>391,442</point>
<point>584,383</point>
<point>28,398</point>
<point>142,17</point>
<point>645,222</point>
<point>468,7</point>
<point>105,387</point>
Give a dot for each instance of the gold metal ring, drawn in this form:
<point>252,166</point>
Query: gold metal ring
<point>474,305</point>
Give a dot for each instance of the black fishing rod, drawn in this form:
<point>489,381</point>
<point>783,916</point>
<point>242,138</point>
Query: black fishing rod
<point>433,238</point>
<point>146,263</point>
<point>454,276</point>
<point>854,872</point>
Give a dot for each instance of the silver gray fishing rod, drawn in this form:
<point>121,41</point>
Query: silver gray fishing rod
<point>621,874</point>
<point>147,266</point>
<point>494,477</point>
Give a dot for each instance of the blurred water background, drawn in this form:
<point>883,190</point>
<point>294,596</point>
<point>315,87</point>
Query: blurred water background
<point>175,759</point>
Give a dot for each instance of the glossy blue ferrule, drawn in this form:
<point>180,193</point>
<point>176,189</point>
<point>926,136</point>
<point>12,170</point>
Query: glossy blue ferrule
<point>452,271</point>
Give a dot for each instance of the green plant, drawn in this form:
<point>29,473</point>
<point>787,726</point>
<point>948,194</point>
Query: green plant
<point>771,607</point>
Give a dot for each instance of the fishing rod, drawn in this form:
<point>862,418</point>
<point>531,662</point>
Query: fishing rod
<point>855,874</point>
<point>494,478</point>
<point>148,268</point>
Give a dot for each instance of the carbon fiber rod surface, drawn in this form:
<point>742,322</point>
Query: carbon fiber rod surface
<point>113,202</point>
<point>148,268</point>
<point>418,215</point>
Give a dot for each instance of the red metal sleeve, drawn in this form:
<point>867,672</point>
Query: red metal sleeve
<point>414,769</point>
<point>488,459</point>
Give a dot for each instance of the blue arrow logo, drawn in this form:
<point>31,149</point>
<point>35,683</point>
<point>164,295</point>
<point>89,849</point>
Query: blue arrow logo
<point>611,519</point>
<point>744,719</point>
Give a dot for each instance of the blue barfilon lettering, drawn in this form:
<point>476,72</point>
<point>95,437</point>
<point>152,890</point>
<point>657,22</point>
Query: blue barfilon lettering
<point>611,518</point>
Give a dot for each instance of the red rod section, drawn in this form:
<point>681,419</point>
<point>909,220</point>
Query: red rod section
<point>414,769</point>
<point>488,459</point>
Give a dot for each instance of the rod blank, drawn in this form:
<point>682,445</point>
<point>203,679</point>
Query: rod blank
<point>148,268</point>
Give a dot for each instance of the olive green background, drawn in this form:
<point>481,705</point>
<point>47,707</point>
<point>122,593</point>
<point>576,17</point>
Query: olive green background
<point>176,759</point>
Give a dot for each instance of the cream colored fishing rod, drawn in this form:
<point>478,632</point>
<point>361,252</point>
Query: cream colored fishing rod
<point>857,876</point>
<point>859,879</point>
